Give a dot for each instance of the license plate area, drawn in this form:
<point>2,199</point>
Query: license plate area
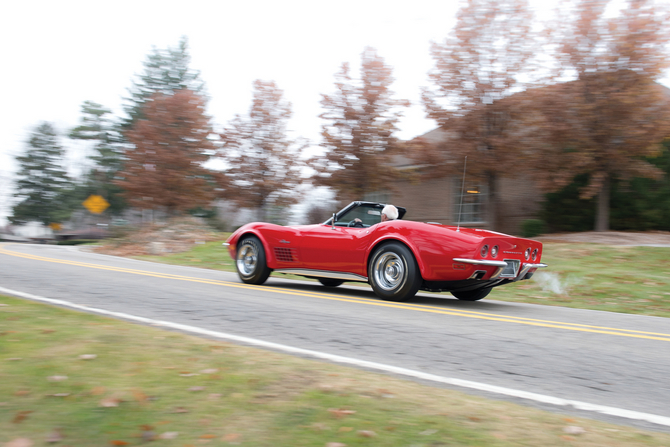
<point>512,268</point>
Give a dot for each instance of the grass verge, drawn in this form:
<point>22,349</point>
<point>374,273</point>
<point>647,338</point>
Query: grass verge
<point>587,276</point>
<point>82,380</point>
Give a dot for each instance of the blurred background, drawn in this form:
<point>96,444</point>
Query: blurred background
<point>129,113</point>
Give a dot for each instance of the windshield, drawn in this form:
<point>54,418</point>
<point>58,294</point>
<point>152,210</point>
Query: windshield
<point>369,214</point>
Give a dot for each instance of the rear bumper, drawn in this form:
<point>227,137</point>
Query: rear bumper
<point>524,269</point>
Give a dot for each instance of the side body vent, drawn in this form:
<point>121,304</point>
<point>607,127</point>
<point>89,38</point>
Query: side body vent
<point>284,254</point>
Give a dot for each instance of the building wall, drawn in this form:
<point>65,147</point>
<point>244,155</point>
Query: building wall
<point>437,200</point>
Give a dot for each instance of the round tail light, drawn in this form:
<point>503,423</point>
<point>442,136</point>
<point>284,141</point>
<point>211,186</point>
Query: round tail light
<point>535,255</point>
<point>485,251</point>
<point>494,251</point>
<point>527,254</point>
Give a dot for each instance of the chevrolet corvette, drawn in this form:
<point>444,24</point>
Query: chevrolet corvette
<point>397,258</point>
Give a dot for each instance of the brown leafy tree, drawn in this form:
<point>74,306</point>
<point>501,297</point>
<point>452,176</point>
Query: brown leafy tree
<point>165,170</point>
<point>614,113</point>
<point>264,165</point>
<point>361,118</point>
<point>478,69</point>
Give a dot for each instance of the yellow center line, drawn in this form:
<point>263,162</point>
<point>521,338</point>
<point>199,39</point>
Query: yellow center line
<point>371,302</point>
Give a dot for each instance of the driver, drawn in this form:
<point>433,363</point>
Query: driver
<point>389,212</point>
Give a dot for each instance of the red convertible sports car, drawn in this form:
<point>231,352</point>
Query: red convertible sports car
<point>397,257</point>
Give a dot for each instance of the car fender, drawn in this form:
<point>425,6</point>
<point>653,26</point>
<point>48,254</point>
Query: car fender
<point>253,230</point>
<point>395,237</point>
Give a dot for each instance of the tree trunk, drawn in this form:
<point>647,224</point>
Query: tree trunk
<point>603,211</point>
<point>492,180</point>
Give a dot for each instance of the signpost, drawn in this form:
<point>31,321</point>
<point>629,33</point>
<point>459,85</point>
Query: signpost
<point>96,204</point>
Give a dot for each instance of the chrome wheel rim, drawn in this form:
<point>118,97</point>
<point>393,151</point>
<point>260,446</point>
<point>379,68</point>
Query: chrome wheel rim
<point>247,259</point>
<point>389,271</point>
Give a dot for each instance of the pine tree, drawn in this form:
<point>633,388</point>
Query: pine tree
<point>165,71</point>
<point>98,128</point>
<point>41,178</point>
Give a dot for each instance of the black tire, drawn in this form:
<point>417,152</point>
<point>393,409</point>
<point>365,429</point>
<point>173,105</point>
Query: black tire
<point>393,272</point>
<point>250,261</point>
<point>330,282</point>
<point>472,295</point>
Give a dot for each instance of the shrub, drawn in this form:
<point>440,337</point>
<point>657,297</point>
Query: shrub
<point>532,227</point>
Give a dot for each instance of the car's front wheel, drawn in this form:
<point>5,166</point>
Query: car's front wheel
<point>472,295</point>
<point>250,261</point>
<point>393,272</point>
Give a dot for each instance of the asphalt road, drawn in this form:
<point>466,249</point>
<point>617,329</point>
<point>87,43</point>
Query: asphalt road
<point>602,358</point>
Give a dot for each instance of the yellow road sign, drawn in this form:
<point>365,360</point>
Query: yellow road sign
<point>96,204</point>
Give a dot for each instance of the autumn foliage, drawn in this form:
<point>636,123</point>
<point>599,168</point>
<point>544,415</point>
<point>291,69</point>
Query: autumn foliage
<point>360,120</point>
<point>264,166</point>
<point>164,170</point>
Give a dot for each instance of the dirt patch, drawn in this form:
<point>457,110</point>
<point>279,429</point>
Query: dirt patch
<point>174,236</point>
<point>611,238</point>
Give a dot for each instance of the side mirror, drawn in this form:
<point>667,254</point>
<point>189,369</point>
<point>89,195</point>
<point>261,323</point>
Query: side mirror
<point>333,222</point>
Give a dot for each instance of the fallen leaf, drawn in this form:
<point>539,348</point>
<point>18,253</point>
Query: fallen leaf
<point>179,410</point>
<point>197,388</point>
<point>118,442</point>
<point>367,433</point>
<point>98,390</point>
<point>20,416</point>
<point>187,374</point>
<point>168,435</point>
<point>231,437</point>
<point>209,371</point>
<point>48,331</point>
<point>573,430</point>
<point>139,396</point>
<point>345,429</point>
<point>335,444</point>
<point>19,442</point>
<point>109,402</point>
<point>59,395</point>
<point>88,356</point>
<point>55,436</point>
<point>214,396</point>
<point>428,432</point>
<point>340,413</point>
<point>207,436</point>
<point>21,392</point>
<point>56,378</point>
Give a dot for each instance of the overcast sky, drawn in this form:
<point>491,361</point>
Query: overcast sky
<point>58,54</point>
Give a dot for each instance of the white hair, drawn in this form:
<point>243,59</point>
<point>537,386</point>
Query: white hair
<point>391,212</point>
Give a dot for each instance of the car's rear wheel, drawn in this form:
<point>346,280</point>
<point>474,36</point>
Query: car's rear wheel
<point>330,282</point>
<point>472,295</point>
<point>393,272</point>
<point>250,261</point>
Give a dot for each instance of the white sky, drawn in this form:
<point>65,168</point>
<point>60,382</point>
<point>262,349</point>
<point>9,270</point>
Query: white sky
<point>58,54</point>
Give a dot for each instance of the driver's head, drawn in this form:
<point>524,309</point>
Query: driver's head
<point>389,212</point>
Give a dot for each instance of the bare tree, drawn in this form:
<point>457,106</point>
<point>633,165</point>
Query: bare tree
<point>358,134</point>
<point>264,165</point>
<point>479,68</point>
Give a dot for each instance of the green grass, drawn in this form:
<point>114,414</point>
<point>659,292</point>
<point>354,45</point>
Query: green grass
<point>587,276</point>
<point>177,390</point>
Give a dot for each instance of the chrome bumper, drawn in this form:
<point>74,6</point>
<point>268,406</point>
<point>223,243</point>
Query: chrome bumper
<point>501,266</point>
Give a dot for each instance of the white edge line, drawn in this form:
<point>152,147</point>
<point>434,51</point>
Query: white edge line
<point>611,411</point>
